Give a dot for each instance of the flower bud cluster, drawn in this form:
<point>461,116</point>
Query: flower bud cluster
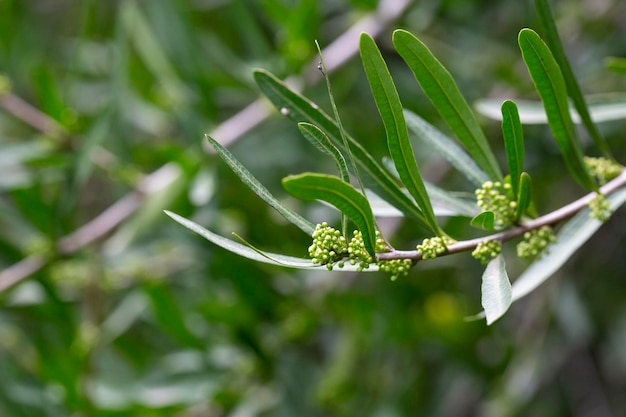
<point>600,208</point>
<point>487,250</point>
<point>328,246</point>
<point>535,242</point>
<point>357,252</point>
<point>498,198</point>
<point>434,246</point>
<point>397,267</point>
<point>603,169</point>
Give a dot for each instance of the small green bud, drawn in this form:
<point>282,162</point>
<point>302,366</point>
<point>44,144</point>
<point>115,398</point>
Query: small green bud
<point>487,250</point>
<point>397,267</point>
<point>535,242</point>
<point>600,208</point>
<point>498,198</point>
<point>603,169</point>
<point>434,246</point>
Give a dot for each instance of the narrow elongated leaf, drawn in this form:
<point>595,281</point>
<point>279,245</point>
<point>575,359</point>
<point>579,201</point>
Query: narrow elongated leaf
<point>496,290</point>
<point>513,142</point>
<point>484,220</point>
<point>390,109</point>
<point>331,189</point>
<point>300,109</point>
<point>319,139</point>
<point>570,238</point>
<point>523,196</point>
<point>573,88</point>
<point>603,108</point>
<point>550,85</point>
<point>248,179</point>
<point>443,92</point>
<point>253,254</point>
<point>342,131</point>
<point>446,147</point>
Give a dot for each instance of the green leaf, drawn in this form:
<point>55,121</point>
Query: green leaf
<point>331,189</point>
<point>550,85</point>
<point>248,179</point>
<point>319,139</point>
<point>445,204</point>
<point>617,65</point>
<point>513,142</point>
<point>523,197</point>
<point>603,108</point>
<point>484,220</point>
<point>573,88</point>
<point>299,109</point>
<point>390,109</point>
<point>496,290</point>
<point>342,131</point>
<point>570,238</point>
<point>443,92</point>
<point>249,253</point>
<point>446,147</point>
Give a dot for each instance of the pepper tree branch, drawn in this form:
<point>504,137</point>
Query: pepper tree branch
<point>549,219</point>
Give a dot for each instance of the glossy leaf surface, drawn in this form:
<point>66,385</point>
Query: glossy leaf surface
<point>550,85</point>
<point>331,189</point>
<point>573,88</point>
<point>390,109</point>
<point>443,92</point>
<point>513,142</point>
<point>300,109</point>
<point>496,290</point>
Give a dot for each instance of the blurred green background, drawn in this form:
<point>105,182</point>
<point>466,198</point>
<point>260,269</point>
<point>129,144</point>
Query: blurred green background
<point>135,316</point>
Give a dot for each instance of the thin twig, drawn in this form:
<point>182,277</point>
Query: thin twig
<point>551,218</point>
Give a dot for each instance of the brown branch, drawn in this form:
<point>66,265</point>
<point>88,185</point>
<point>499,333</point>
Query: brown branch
<point>549,219</point>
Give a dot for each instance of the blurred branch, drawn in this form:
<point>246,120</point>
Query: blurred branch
<point>549,219</point>
<point>335,55</point>
<point>31,115</point>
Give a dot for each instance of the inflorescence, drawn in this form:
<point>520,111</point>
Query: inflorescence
<point>603,169</point>
<point>498,198</point>
<point>600,208</point>
<point>434,246</point>
<point>535,242</point>
<point>331,248</point>
<point>487,250</point>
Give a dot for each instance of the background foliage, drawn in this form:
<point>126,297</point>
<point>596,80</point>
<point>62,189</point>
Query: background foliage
<point>151,320</point>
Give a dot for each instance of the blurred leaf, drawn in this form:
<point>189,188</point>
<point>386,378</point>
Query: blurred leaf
<point>446,147</point>
<point>573,89</point>
<point>615,64</point>
<point>485,220</point>
<point>300,109</point>
<point>347,199</point>
<point>258,188</point>
<point>523,197</point>
<point>496,290</point>
<point>443,92</point>
<point>513,142</point>
<point>603,108</point>
<point>390,108</point>
<point>570,238</point>
<point>550,85</point>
